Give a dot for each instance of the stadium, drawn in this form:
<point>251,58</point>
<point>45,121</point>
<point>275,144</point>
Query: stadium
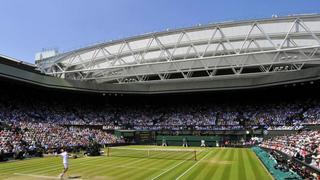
<point>231,100</point>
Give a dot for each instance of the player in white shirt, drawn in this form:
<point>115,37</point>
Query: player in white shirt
<point>65,161</point>
<point>203,143</point>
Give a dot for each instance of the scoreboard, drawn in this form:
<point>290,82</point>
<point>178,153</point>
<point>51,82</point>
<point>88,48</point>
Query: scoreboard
<point>125,133</point>
<point>145,136</point>
<point>137,136</point>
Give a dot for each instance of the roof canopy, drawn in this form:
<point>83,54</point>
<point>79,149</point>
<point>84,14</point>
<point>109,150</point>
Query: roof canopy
<point>230,49</point>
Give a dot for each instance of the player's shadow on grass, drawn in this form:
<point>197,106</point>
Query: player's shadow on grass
<point>74,177</point>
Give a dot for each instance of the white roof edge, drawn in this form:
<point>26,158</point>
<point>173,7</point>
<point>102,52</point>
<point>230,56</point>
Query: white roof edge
<point>17,61</point>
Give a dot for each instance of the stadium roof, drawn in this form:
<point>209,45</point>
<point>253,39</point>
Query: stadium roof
<point>222,50</point>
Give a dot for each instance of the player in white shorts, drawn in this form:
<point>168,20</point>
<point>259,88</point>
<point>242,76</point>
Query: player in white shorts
<point>65,162</point>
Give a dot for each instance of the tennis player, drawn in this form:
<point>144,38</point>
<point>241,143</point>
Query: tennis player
<point>65,161</point>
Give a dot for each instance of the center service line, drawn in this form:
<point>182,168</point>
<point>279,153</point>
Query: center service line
<point>193,165</point>
<point>169,169</point>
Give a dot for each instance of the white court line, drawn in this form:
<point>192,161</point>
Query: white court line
<point>185,172</point>
<point>40,176</point>
<point>168,170</point>
<point>171,168</point>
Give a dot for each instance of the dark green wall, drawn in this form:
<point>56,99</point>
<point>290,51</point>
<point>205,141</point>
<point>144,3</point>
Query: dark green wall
<point>191,140</point>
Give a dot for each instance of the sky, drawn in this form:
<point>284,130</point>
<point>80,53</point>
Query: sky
<point>28,26</point>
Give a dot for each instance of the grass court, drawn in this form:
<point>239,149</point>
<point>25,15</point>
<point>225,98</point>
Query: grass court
<point>211,163</point>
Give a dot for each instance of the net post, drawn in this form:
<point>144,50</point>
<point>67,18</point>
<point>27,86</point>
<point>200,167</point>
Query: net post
<point>195,155</point>
<point>108,151</point>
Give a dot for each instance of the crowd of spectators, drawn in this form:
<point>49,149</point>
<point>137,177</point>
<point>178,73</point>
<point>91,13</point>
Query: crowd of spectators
<point>304,146</point>
<point>293,167</point>
<point>27,136</point>
<point>285,116</point>
<point>195,116</point>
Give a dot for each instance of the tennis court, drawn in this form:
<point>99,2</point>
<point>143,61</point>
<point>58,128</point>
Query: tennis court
<point>146,162</point>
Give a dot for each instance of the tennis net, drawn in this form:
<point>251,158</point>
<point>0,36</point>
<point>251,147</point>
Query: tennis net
<point>156,153</point>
